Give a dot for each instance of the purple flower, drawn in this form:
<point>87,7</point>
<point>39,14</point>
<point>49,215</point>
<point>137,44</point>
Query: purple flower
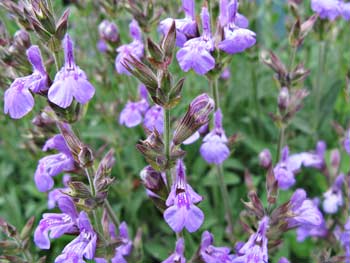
<point>304,211</point>
<point>186,28</point>
<point>345,240</point>
<point>124,249</point>
<point>195,53</point>
<point>255,250</point>
<point>236,39</point>
<point>133,112</point>
<point>154,119</point>
<point>214,149</point>
<point>283,260</point>
<point>211,254</point>
<point>70,82</point>
<point>239,20</point>
<point>345,11</point>
<point>102,46</point>
<point>55,225</point>
<point>54,195</point>
<point>333,198</point>
<point>18,100</point>
<point>52,165</point>
<point>288,166</point>
<point>226,74</point>
<point>181,212</point>
<point>305,231</point>
<point>135,48</point>
<point>178,255</point>
<point>327,9</point>
<point>346,142</point>
<point>108,31</point>
<point>83,246</point>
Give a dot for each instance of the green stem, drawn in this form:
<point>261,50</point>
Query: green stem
<point>167,142</point>
<point>111,213</point>
<point>215,90</point>
<point>280,142</point>
<point>292,60</point>
<point>226,200</point>
<point>89,174</point>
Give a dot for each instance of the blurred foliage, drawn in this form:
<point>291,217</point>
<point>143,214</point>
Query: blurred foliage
<point>247,99</point>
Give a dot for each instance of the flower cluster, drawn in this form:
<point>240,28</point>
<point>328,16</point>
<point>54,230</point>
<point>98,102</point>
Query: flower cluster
<point>331,9</point>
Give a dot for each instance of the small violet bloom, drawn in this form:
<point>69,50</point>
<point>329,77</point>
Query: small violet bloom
<point>182,212</point>
<point>214,149</point>
<point>135,48</point>
<point>283,260</point>
<point>288,166</point>
<point>327,9</point>
<point>54,195</point>
<point>236,39</point>
<point>54,164</point>
<point>133,112</point>
<point>345,11</point>
<point>178,255</point>
<point>240,20</point>
<point>345,240</point>
<point>70,82</point>
<point>18,99</point>
<point>108,31</point>
<point>154,119</point>
<point>83,246</point>
<point>195,53</point>
<point>255,250</point>
<point>54,225</point>
<point>333,198</point>
<point>186,28</point>
<point>305,212</point>
<point>211,254</point>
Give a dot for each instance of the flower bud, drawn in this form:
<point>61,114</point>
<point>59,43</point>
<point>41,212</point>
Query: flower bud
<point>22,40</point>
<point>283,99</point>
<point>108,31</point>
<point>196,116</point>
<point>335,159</point>
<point>85,157</point>
<point>265,158</point>
<point>154,181</point>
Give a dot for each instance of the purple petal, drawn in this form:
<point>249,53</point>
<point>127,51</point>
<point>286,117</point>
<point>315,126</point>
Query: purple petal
<point>175,217</point>
<point>60,95</point>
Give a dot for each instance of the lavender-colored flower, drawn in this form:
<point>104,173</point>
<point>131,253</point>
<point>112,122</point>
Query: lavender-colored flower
<point>333,198</point>
<point>154,119</point>
<point>239,20</point>
<point>265,158</point>
<point>305,231</point>
<point>102,46</point>
<point>124,249</point>
<point>211,254</point>
<point>135,48</point>
<point>327,9</point>
<point>345,11</point>
<point>18,100</point>
<point>255,250</point>
<point>283,260</point>
<point>133,112</point>
<point>70,82</point>
<point>108,31</point>
<point>83,246</point>
<point>54,195</point>
<point>345,240</point>
<point>288,166</point>
<point>52,165</point>
<point>236,39</point>
<point>346,142</point>
<point>181,212</point>
<point>195,53</point>
<point>305,212</point>
<point>214,149</point>
<point>178,255</point>
<point>55,225</point>
<point>186,28</point>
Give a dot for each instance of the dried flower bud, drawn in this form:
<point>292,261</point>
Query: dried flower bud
<point>22,40</point>
<point>196,116</point>
<point>283,99</point>
<point>265,158</point>
<point>85,157</point>
<point>154,181</point>
<point>27,229</point>
<point>108,31</point>
<point>62,25</point>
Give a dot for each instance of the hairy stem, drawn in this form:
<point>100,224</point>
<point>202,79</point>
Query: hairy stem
<point>111,213</point>
<point>280,142</point>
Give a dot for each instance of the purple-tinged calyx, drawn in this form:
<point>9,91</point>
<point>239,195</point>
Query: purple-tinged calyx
<point>178,255</point>
<point>255,249</point>
<point>83,246</point>
<point>70,82</point>
<point>18,100</point>
<point>212,254</point>
<point>333,198</point>
<point>186,28</point>
<point>54,164</point>
<point>195,53</point>
<point>214,149</point>
<point>237,39</point>
<point>182,212</point>
<point>135,48</point>
<point>54,225</point>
